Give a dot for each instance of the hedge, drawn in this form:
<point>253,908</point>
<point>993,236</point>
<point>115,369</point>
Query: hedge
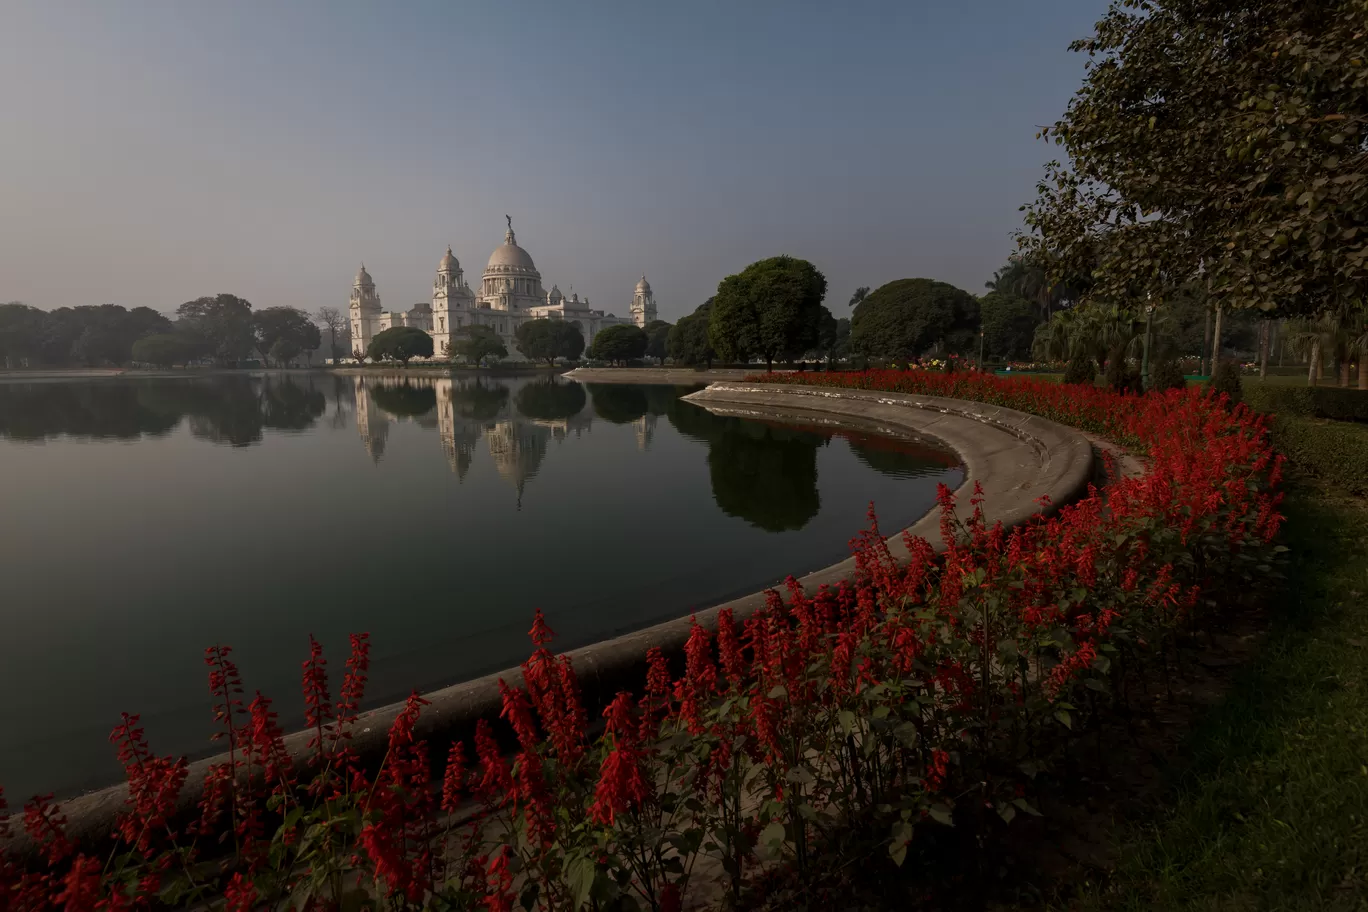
<point>1334,451</point>
<point>1333,402</point>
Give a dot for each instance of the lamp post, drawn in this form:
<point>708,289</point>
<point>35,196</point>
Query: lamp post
<point>980,347</point>
<point>1145,358</point>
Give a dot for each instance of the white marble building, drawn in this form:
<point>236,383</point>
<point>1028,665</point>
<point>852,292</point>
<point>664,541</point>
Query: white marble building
<point>510,294</point>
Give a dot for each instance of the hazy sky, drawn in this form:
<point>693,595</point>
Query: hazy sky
<point>153,152</point>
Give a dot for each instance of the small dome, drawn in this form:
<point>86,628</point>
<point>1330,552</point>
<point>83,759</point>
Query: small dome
<point>449,262</point>
<point>644,286</point>
<point>363,277</point>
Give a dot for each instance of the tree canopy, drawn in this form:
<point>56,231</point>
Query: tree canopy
<point>284,333</point>
<point>1009,323</point>
<point>912,317</point>
<point>87,335</point>
<point>771,309</point>
<point>161,349</point>
<point>1217,142</point>
<point>476,343</point>
<point>404,400</point>
<point>400,343</point>
<point>221,324</point>
<point>547,340</point>
<point>658,339</point>
<point>619,343</point>
<point>688,340</point>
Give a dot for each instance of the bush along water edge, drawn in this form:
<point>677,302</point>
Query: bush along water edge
<point>915,695</point>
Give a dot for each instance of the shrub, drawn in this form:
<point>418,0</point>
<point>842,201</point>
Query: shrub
<point>1334,451</point>
<point>1166,374</point>
<point>1081,369</point>
<point>1226,379</point>
<point>1122,376</point>
<point>1308,401</point>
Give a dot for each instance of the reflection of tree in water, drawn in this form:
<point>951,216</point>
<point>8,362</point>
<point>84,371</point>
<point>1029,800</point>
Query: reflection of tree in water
<point>102,409</point>
<point>764,474</point>
<point>479,401</point>
<point>290,406</point>
<point>618,403</point>
<point>550,400</point>
<point>897,458</point>
<point>403,400</point>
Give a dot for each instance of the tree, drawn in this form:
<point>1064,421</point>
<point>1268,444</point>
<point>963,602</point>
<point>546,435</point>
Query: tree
<point>331,319</point>
<point>400,343</point>
<point>1219,143</point>
<point>162,349</point>
<point>911,317</point>
<point>282,333</point>
<point>547,340</point>
<point>619,343</point>
<point>860,294</point>
<point>476,342</point>
<point>658,340</point>
<point>688,341</point>
<point>224,323</point>
<point>1009,324</point>
<point>772,309</point>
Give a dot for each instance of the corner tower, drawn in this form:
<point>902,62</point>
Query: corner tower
<point>643,304</point>
<point>364,310</point>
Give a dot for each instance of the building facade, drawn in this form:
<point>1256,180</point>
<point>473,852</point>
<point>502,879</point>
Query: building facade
<point>510,294</point>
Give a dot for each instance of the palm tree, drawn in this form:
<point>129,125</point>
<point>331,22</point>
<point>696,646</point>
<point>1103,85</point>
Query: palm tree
<point>860,294</point>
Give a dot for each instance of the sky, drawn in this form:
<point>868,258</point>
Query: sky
<point>157,151</point>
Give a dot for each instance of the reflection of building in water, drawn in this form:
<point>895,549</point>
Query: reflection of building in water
<point>509,295</point>
<point>458,434</point>
<point>517,448</point>
<point>371,423</point>
<point>465,412</point>
<point>645,431</point>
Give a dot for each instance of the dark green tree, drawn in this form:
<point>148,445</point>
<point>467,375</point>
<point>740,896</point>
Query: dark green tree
<point>550,399</point>
<point>284,333</point>
<point>162,349</point>
<point>290,406</point>
<point>400,343</point>
<point>1219,143</point>
<point>618,344</point>
<point>658,340</point>
<point>479,401</point>
<point>912,317</point>
<point>860,294</point>
<point>1009,324</point>
<point>688,341</point>
<point>547,340</point>
<point>476,343</point>
<point>771,309</point>
<point>223,323</point>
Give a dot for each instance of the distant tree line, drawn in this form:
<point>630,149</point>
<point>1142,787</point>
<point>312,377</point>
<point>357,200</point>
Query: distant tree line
<point>222,329</point>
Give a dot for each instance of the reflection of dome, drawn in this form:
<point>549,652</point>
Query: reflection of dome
<point>449,262</point>
<point>363,277</point>
<point>518,449</point>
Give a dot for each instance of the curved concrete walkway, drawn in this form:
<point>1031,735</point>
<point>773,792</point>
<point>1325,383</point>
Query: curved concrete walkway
<point>1016,457</point>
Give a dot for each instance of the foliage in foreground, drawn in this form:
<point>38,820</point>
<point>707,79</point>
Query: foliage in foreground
<point>913,695</point>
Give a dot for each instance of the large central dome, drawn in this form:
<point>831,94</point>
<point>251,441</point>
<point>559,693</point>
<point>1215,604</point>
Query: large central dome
<point>510,259</point>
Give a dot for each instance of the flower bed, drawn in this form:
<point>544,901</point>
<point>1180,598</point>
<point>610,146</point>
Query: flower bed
<point>910,696</point>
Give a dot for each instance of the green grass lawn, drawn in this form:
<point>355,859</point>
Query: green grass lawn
<point>1271,810</point>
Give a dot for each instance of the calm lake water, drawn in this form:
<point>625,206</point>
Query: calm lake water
<point>147,519</point>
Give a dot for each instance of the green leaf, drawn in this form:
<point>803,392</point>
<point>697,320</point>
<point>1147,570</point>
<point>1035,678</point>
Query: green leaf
<point>774,835</point>
<point>1064,719</point>
<point>579,873</point>
<point>941,814</point>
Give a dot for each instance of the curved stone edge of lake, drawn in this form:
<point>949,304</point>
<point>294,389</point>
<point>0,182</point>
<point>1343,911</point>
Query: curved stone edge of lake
<point>1016,457</point>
